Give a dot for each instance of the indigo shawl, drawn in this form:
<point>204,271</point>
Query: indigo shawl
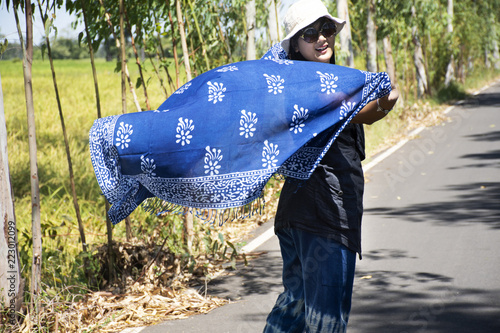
<point>216,141</point>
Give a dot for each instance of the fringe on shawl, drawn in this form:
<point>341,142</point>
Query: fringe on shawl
<point>220,216</point>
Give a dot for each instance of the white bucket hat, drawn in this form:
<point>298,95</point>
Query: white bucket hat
<point>303,13</point>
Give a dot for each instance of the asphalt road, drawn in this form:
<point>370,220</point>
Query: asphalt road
<point>431,240</point>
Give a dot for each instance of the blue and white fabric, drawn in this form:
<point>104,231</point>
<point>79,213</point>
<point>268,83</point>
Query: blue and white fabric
<point>217,140</point>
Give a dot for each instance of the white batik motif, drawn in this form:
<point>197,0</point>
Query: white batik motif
<point>269,155</point>
<point>212,159</point>
<point>277,54</point>
<point>300,115</point>
<point>274,84</point>
<point>247,122</point>
<point>123,135</point>
<point>215,92</point>
<point>184,129</point>
<point>230,68</point>
<point>345,108</point>
<point>148,166</point>
<point>182,89</point>
<point>328,82</point>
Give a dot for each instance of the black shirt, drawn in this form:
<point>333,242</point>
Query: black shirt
<point>330,202</point>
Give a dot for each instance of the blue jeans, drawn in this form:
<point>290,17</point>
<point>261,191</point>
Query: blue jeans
<point>318,276</point>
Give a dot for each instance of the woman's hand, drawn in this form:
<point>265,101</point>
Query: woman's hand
<point>369,114</point>
<point>388,101</point>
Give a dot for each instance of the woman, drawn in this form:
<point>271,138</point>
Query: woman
<point>318,223</point>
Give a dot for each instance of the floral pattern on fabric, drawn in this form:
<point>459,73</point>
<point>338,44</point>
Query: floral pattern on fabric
<point>227,132</point>
<point>123,135</point>
<point>184,129</point>
<point>298,119</point>
<point>247,124</point>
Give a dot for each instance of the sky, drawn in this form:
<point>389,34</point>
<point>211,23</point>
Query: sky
<point>62,21</point>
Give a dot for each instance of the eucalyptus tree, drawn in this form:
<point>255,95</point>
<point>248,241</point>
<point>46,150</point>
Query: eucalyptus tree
<point>450,72</point>
<point>347,54</point>
<point>182,32</point>
<point>200,35</point>
<point>418,58</point>
<point>11,284</point>
<point>81,10</point>
<point>36,229</point>
<point>389,60</point>
<point>140,79</point>
<point>48,25</point>
<point>251,26</point>
<point>494,46</point>
<point>371,37</point>
<point>273,26</point>
<point>423,23</point>
<point>121,45</point>
<point>476,24</point>
<point>395,35</point>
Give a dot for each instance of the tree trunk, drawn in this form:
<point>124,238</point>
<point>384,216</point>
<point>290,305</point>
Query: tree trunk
<point>158,75</point>
<point>496,55</point>
<point>36,228</point>
<point>371,38</point>
<point>117,43</point>
<point>182,32</point>
<point>272,22</point>
<point>92,62</point>
<point>123,59</point>
<point>66,142</point>
<point>390,67</point>
<point>11,284</point>
<point>125,78</point>
<point>389,60</point>
<point>250,20</point>
<point>347,56</point>
<point>109,227</point>
<point>450,72</point>
<point>222,35</point>
<point>188,218</point>
<point>487,62</point>
<point>138,62</point>
<point>494,42</point>
<point>188,229</point>
<point>418,60</point>
<point>174,49</point>
<point>200,36</point>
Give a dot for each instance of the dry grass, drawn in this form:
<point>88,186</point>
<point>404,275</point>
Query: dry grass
<point>107,312</point>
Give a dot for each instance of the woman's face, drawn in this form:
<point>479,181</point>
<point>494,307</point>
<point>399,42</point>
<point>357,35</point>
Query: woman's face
<point>320,50</point>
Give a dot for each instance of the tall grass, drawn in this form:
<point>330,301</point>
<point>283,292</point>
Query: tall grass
<point>61,238</point>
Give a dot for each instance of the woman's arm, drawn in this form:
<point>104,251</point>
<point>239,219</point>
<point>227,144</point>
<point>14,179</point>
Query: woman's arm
<point>369,114</point>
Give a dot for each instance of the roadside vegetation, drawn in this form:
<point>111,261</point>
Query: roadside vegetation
<point>158,266</point>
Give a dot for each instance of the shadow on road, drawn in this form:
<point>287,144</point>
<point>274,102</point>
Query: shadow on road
<point>384,254</point>
<point>399,301</point>
<point>483,99</point>
<point>405,302</point>
<point>262,275</point>
<point>489,136</point>
<point>470,203</point>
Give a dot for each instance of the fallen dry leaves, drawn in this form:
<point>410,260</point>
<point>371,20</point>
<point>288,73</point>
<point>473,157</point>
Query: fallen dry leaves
<point>106,312</point>
<point>155,285</point>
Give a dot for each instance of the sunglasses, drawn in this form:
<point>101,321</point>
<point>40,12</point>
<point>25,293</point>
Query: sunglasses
<point>311,35</point>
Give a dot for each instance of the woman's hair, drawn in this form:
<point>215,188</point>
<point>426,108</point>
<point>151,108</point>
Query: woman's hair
<point>294,43</point>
